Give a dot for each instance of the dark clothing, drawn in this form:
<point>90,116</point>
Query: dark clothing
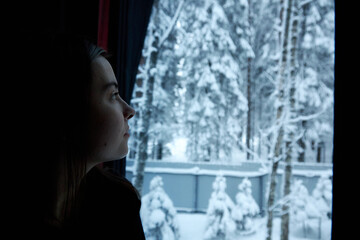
<point>107,209</point>
<point>109,205</point>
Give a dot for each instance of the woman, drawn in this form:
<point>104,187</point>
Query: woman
<point>69,117</point>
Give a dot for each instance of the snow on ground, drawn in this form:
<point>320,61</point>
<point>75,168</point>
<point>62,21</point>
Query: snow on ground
<point>192,228</point>
<point>192,225</point>
<point>177,149</point>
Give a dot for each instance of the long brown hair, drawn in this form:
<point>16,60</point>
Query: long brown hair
<point>54,76</point>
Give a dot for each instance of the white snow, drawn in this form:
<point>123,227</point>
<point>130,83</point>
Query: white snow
<point>198,171</point>
<point>230,173</point>
<point>192,226</point>
<point>308,214</point>
<point>177,149</point>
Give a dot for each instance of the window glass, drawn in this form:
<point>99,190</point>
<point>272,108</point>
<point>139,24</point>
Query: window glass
<point>233,133</point>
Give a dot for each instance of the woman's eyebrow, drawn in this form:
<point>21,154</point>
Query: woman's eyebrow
<point>108,85</point>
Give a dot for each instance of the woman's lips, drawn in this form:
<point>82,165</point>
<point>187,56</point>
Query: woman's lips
<point>127,133</point>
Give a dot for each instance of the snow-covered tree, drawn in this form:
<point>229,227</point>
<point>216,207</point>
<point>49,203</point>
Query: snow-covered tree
<point>202,69</point>
<point>219,224</point>
<point>239,14</point>
<point>214,101</point>
<point>302,206</point>
<point>323,195</point>
<point>315,88</point>
<point>245,209</point>
<point>294,122</point>
<point>151,72</point>
<point>158,214</point>
<point>280,105</point>
<point>202,56</point>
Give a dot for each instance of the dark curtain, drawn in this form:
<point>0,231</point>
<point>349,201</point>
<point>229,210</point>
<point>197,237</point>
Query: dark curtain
<point>119,26</point>
<point>127,29</point>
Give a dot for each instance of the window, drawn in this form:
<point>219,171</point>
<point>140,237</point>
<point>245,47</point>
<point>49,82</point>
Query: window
<point>234,123</point>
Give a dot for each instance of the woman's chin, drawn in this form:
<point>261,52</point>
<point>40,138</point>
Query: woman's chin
<point>123,153</point>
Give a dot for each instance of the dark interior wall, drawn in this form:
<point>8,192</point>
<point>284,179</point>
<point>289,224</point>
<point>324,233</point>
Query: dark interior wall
<point>78,16</point>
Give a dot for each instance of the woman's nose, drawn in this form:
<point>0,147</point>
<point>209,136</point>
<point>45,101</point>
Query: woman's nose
<point>129,112</point>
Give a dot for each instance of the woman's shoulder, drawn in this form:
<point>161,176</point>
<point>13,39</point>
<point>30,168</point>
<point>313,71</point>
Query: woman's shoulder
<point>110,184</point>
<point>107,196</point>
<point>109,201</point>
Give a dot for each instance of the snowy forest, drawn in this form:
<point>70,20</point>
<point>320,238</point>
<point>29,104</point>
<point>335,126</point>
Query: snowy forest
<point>227,81</point>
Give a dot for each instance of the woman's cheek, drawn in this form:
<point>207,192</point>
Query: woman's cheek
<point>108,129</point>
<point>114,127</point>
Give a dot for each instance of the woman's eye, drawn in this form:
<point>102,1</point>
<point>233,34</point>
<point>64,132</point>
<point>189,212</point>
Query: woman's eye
<point>115,95</point>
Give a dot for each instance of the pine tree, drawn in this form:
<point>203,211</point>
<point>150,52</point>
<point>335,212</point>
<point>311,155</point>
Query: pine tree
<point>213,96</point>
<point>219,224</point>
<point>245,209</point>
<point>302,207</point>
<point>239,14</point>
<point>158,214</point>
<point>323,196</point>
<point>315,90</point>
<point>263,69</point>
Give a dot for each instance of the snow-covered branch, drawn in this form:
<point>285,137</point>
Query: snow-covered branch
<point>254,154</point>
<point>171,24</point>
<point>304,2</point>
<point>307,118</point>
<point>281,202</point>
<point>270,78</point>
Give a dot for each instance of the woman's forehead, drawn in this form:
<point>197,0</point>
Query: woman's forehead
<point>102,72</point>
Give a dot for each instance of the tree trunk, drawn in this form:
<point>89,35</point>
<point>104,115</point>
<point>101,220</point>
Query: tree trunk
<point>271,199</point>
<point>249,114</point>
<point>142,155</point>
<point>279,113</point>
<point>301,142</point>
<point>249,94</point>
<point>302,60</point>
<point>144,129</point>
<point>319,152</point>
<point>290,135</point>
<point>159,150</point>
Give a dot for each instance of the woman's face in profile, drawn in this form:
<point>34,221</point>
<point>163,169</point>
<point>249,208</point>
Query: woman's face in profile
<point>109,115</point>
